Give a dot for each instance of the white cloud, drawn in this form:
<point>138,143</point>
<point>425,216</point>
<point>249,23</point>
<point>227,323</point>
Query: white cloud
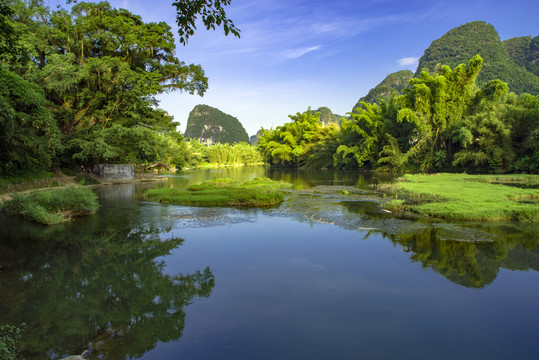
<point>297,53</point>
<point>408,62</point>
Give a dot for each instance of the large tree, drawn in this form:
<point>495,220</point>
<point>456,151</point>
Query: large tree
<point>101,68</point>
<point>29,137</point>
<point>211,12</point>
<point>434,105</point>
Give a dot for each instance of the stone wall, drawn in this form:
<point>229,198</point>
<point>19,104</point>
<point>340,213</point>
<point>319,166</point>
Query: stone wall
<point>115,171</point>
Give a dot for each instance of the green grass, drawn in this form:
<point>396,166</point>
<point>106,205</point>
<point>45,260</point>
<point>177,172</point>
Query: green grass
<point>469,197</point>
<point>25,181</point>
<point>260,192</point>
<point>53,206</point>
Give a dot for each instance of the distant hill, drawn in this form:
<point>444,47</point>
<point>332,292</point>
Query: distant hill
<point>524,51</point>
<point>394,82</point>
<point>514,61</point>
<point>254,139</point>
<point>211,126</point>
<point>327,116</point>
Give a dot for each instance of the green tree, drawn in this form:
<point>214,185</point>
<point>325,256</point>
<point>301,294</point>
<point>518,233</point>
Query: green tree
<point>359,137</point>
<point>29,137</point>
<point>484,136</point>
<point>434,105</point>
<point>212,14</point>
<point>288,145</point>
<point>522,114</point>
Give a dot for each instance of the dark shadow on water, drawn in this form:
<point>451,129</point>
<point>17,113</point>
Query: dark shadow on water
<point>97,285</point>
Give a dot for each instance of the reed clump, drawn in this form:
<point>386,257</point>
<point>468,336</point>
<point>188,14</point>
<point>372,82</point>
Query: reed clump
<point>53,206</point>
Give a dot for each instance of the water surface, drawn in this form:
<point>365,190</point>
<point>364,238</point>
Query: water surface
<point>323,276</point>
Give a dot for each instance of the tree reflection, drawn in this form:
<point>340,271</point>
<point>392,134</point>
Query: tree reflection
<point>468,254</point>
<point>469,263</point>
<point>101,290</point>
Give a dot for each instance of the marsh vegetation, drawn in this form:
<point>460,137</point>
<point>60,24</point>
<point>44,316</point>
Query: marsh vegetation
<point>260,192</point>
<point>468,197</point>
<point>51,207</point>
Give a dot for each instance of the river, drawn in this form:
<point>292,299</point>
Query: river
<point>327,275</point>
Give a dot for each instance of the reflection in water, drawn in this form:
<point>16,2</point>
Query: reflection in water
<point>468,254</point>
<point>98,285</point>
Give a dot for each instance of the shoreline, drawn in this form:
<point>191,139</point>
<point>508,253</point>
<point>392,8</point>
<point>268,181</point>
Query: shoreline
<point>66,180</point>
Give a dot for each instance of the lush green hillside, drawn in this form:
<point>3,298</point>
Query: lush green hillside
<point>394,82</point>
<point>460,44</point>
<point>213,126</point>
<point>327,116</point>
<point>524,51</point>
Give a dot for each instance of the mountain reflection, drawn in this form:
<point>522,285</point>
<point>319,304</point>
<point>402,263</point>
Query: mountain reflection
<point>103,290</point>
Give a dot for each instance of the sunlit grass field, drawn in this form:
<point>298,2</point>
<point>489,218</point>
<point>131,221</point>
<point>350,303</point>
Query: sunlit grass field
<point>260,192</point>
<point>469,197</point>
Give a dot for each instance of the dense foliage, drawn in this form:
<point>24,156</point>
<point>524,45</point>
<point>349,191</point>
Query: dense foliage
<point>393,83</point>
<point>79,86</point>
<point>512,63</point>
<point>212,126</point>
<point>524,51</point>
<point>54,206</point>
<point>326,116</point>
<point>441,122</point>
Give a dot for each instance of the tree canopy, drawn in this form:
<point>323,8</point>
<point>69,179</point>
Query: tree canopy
<point>80,85</point>
<point>442,121</point>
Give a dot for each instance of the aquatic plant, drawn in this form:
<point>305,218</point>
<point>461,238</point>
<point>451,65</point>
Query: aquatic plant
<point>54,206</point>
<point>260,192</point>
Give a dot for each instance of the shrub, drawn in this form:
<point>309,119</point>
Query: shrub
<point>54,206</point>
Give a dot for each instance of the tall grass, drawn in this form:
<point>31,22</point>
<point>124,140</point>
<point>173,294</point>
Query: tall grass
<point>54,206</point>
<point>260,192</point>
<point>469,197</point>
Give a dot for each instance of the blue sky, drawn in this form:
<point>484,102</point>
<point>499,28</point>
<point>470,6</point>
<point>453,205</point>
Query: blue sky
<point>293,54</point>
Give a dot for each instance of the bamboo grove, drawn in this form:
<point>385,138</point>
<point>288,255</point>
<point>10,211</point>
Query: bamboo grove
<point>441,122</point>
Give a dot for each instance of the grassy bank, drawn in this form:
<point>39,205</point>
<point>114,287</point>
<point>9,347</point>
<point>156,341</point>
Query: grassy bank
<point>469,197</point>
<point>260,192</point>
<point>53,206</point>
<point>26,181</point>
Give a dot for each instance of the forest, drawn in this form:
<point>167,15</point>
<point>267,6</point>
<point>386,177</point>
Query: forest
<point>441,122</point>
<point>79,86</point>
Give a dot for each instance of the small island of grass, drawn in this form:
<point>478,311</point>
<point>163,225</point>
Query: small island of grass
<point>53,206</point>
<point>469,197</point>
<point>260,192</point>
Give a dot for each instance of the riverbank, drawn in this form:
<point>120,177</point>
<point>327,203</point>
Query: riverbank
<point>52,182</point>
<point>467,197</point>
